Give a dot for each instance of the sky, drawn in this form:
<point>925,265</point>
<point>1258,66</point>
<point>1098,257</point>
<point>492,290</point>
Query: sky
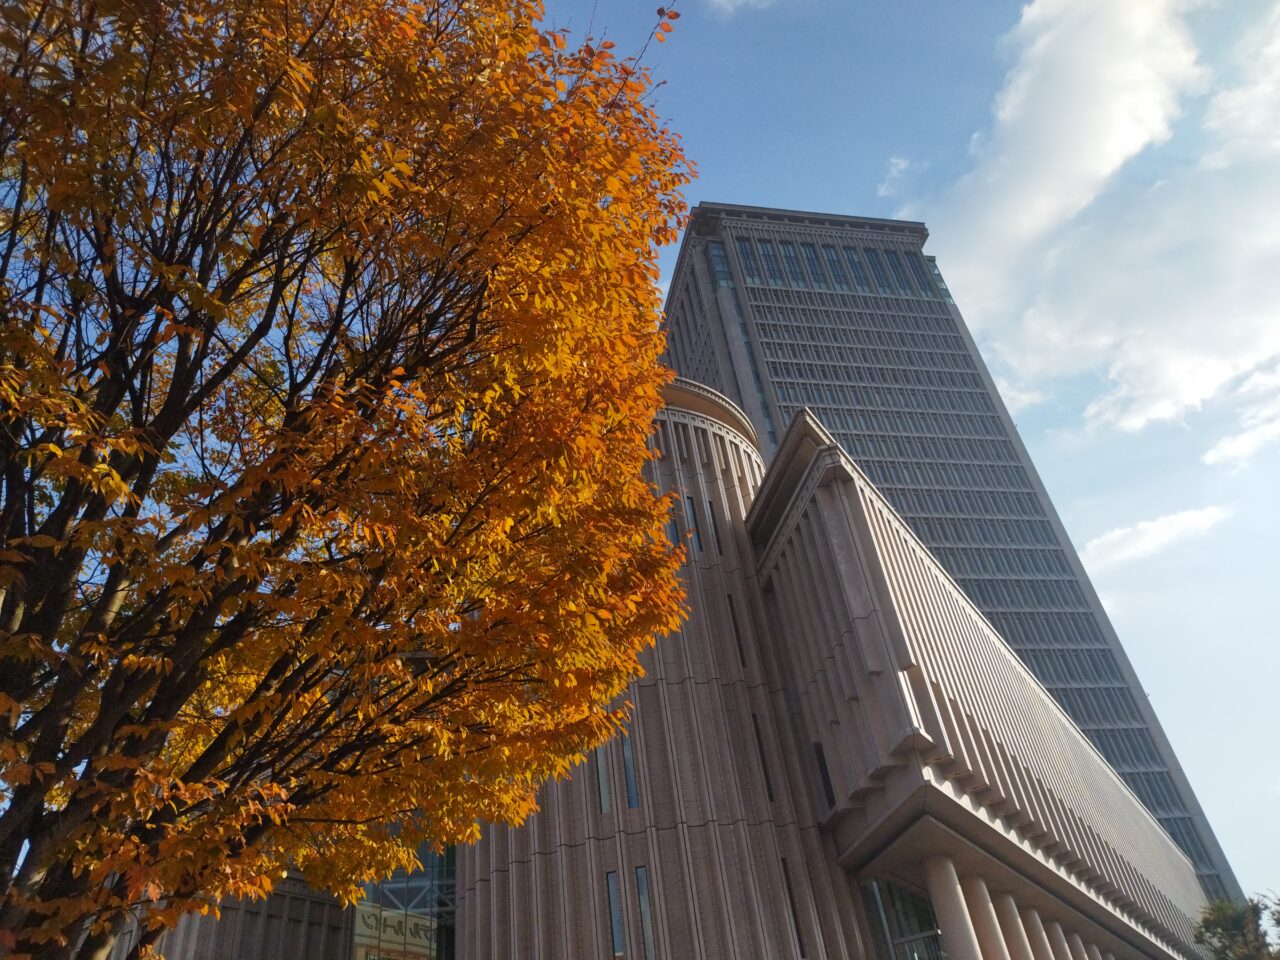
<point>1101,181</point>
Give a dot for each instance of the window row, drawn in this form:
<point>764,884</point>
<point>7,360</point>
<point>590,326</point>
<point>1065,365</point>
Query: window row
<point>1008,594</point>
<point>827,266</point>
<point>889,364</point>
<point>631,786</point>
<point>794,382</point>
<point>1024,630</point>
<point>1098,705</point>
<point>946,530</point>
<point>962,503</point>
<point>889,446</point>
<point>856,328</point>
<point>1127,748</point>
<point>932,424</point>
<point>940,474</point>
<point>1002,561</point>
<point>807,296</point>
<point>1156,791</point>
<point>1182,831</point>
<point>617,917</point>
<point>1073,665</point>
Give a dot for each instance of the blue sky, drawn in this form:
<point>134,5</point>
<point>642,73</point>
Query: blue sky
<point>1101,179</point>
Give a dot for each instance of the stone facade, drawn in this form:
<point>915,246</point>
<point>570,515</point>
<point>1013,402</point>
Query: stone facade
<point>837,757</point>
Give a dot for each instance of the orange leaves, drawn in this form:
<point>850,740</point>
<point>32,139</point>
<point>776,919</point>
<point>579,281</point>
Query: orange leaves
<point>332,418</point>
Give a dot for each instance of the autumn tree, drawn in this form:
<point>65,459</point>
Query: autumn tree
<point>328,353</point>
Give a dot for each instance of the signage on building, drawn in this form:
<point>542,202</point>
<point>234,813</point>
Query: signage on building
<point>385,933</point>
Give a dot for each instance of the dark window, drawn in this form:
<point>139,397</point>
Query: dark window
<point>832,256</point>
<point>629,773</point>
<point>691,516</point>
<point>791,902</point>
<point>646,912</point>
<point>747,260</point>
<point>877,269</point>
<point>859,271</point>
<point>715,527</point>
<point>772,265</point>
<point>815,268</point>
<point>615,914</point>
<point>899,274</point>
<point>719,262</point>
<point>792,260</point>
<point>737,634</point>
<point>824,774</point>
<point>602,778</point>
<point>764,762</point>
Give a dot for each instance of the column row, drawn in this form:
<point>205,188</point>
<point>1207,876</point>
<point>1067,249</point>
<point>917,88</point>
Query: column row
<point>977,925</point>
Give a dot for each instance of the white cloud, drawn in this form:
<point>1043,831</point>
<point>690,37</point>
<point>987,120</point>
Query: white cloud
<point>1259,420</point>
<point>1164,280</point>
<point>1095,82</point>
<point>1018,397</point>
<point>1149,537</point>
<point>888,187</point>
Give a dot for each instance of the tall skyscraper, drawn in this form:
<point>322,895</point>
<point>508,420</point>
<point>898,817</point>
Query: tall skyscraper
<point>782,310</point>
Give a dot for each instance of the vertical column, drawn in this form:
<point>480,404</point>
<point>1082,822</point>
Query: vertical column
<point>1040,948</point>
<point>958,936</point>
<point>1093,951</point>
<point>1057,940</point>
<point>1076,945</point>
<point>983,914</point>
<point>1015,934</point>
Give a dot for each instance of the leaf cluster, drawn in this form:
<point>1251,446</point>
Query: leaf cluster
<point>328,355</point>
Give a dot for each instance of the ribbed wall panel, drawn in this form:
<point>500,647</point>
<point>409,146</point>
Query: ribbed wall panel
<point>704,827</point>
<point>893,661</point>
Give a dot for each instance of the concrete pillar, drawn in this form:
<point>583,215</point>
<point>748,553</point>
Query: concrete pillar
<point>1093,951</point>
<point>958,936</point>
<point>983,914</point>
<point>1057,940</point>
<point>1076,946</point>
<point>1039,940</point>
<point>1015,934</point>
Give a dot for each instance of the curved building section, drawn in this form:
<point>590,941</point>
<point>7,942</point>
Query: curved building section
<point>838,757</point>
<point>684,838</point>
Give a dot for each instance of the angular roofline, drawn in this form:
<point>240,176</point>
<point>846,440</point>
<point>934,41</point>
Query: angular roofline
<point>710,207</point>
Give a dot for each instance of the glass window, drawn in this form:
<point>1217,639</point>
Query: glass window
<point>615,914</point>
<point>646,912</point>
<point>824,775</point>
<point>629,773</point>
<point>737,635</point>
<point>791,902</point>
<point>747,260</point>
<point>792,261</point>
<point>719,262</point>
<point>715,527</point>
<point>877,269</point>
<point>859,271</point>
<point>602,777</point>
<point>899,273</point>
<point>764,761</point>
<point>920,271</point>
<point>772,265</point>
<point>691,517</point>
<point>835,267</point>
<point>815,268</point>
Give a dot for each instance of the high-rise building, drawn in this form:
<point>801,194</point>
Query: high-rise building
<point>848,317</point>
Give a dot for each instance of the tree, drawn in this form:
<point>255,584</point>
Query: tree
<point>1238,931</point>
<point>328,356</point>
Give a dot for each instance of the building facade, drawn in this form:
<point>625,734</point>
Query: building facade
<point>848,318</point>
<point>837,757</point>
